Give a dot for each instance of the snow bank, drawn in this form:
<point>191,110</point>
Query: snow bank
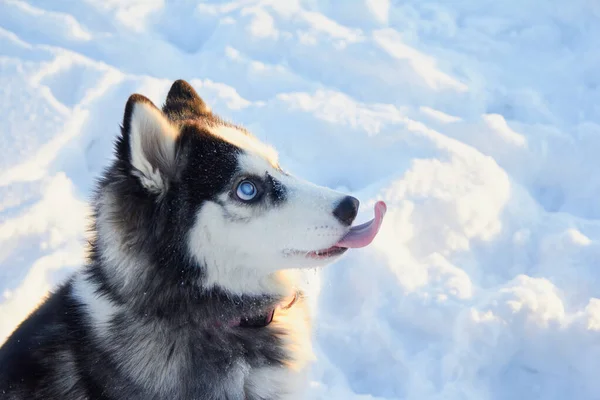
<point>477,122</point>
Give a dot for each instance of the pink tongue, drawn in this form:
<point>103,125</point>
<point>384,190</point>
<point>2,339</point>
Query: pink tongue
<point>363,235</point>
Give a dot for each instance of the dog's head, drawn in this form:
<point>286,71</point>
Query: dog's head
<point>215,197</point>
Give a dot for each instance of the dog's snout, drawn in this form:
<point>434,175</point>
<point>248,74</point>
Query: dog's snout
<point>346,210</point>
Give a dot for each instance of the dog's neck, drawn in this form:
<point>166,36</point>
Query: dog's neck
<point>249,281</point>
<point>261,319</point>
<point>127,275</point>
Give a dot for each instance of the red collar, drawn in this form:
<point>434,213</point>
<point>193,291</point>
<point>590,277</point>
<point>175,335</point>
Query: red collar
<point>260,320</point>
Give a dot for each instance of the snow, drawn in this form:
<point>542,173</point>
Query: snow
<point>477,121</point>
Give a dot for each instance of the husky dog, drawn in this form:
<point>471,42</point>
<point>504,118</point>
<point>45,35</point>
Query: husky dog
<point>189,290</point>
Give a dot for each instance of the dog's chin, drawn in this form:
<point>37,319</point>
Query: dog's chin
<point>315,257</point>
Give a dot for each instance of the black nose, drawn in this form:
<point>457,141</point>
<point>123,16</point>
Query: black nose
<point>346,210</point>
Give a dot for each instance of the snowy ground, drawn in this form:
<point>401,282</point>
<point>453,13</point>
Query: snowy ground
<point>477,122</point>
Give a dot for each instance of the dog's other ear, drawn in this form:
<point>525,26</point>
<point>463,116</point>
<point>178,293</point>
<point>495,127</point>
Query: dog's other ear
<point>183,102</point>
<point>148,143</point>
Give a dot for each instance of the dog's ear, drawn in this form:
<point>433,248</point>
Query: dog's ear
<point>183,102</point>
<point>148,143</point>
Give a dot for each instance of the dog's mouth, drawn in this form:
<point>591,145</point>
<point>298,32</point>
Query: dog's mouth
<point>357,237</point>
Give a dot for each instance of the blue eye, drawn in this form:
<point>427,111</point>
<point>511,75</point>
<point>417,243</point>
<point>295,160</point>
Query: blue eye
<point>246,191</point>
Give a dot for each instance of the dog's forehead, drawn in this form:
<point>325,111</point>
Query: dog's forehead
<point>256,155</point>
<point>253,163</point>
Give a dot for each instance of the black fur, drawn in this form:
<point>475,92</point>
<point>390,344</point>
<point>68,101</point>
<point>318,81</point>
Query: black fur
<point>56,352</point>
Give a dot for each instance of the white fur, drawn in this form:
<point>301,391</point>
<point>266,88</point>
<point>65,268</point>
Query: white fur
<point>245,141</point>
<point>295,321</point>
<point>277,382</point>
<point>233,387</point>
<point>99,309</point>
<point>244,245</point>
<point>287,382</point>
<point>152,141</point>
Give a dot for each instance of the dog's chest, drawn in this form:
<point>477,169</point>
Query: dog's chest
<point>287,380</point>
<point>233,362</point>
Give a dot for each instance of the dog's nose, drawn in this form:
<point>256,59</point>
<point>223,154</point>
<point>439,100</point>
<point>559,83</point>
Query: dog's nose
<point>346,210</point>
